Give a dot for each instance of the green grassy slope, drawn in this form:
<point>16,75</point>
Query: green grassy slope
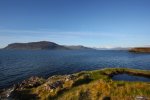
<point>87,85</point>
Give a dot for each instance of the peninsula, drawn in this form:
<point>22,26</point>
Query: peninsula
<point>140,50</point>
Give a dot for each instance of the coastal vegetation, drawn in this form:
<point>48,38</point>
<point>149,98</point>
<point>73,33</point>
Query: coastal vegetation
<point>86,85</point>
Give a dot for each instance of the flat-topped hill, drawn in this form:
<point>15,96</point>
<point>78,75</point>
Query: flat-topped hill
<point>42,45</point>
<point>35,46</point>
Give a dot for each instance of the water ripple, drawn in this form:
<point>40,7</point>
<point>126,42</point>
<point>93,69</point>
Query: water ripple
<point>18,65</point>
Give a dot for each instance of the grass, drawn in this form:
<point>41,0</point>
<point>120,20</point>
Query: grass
<point>94,85</point>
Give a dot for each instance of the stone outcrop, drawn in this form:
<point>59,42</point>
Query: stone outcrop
<point>30,83</point>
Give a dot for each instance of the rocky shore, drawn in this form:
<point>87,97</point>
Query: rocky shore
<point>87,85</point>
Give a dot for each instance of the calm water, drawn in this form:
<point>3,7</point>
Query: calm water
<point>18,65</point>
<point>127,77</point>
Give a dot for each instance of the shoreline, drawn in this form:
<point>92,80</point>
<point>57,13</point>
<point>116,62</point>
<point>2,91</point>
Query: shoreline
<point>53,86</point>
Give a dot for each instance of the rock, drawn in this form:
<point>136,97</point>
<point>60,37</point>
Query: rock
<point>70,77</point>
<point>54,85</point>
<point>30,83</point>
<point>5,94</point>
<point>140,98</point>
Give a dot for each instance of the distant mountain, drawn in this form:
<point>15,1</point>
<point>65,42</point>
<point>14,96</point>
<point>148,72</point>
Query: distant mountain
<point>121,48</point>
<point>42,45</point>
<point>78,47</point>
<point>114,48</point>
<point>140,50</point>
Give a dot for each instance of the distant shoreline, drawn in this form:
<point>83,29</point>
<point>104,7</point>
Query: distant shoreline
<point>140,50</point>
<point>44,45</point>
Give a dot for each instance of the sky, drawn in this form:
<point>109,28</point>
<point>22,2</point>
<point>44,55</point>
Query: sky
<point>93,23</point>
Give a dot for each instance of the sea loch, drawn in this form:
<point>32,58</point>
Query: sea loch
<point>17,65</point>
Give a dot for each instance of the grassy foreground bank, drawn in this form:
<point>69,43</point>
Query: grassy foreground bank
<point>86,85</point>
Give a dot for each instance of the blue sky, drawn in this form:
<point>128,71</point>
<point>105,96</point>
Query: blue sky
<point>94,23</point>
